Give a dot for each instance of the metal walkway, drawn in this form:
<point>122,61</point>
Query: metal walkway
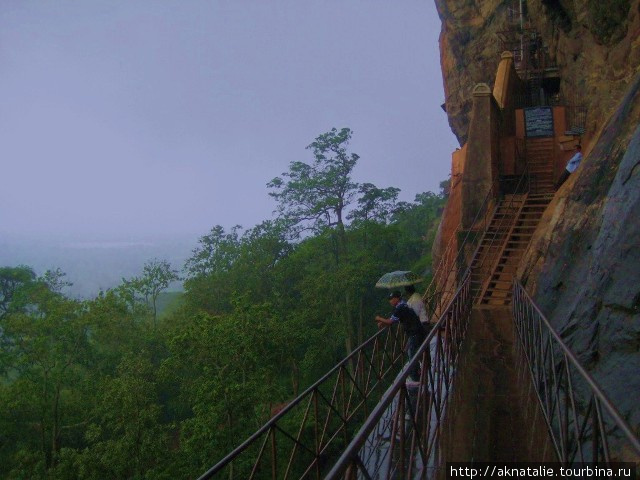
<point>496,384</point>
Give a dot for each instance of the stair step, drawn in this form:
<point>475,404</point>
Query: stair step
<point>488,297</point>
<point>509,261</point>
<point>507,269</point>
<point>497,293</point>
<point>504,287</point>
<point>503,302</point>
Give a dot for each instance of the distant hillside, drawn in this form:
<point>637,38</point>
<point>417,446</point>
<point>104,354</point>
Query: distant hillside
<point>93,266</point>
<point>168,302</point>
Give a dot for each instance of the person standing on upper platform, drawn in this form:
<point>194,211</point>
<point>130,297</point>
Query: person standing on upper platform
<point>572,164</point>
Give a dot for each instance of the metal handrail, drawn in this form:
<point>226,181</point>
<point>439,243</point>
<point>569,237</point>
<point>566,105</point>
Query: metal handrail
<point>503,223</point>
<point>296,442</point>
<point>583,423</point>
<point>436,294</point>
<point>400,438</point>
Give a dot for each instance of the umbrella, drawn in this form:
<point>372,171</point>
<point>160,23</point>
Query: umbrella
<point>398,278</point>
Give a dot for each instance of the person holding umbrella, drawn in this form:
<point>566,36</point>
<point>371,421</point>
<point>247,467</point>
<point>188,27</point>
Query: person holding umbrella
<point>411,325</point>
<point>407,279</point>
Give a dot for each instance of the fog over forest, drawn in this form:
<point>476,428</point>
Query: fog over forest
<point>94,265</point>
<point>135,139</point>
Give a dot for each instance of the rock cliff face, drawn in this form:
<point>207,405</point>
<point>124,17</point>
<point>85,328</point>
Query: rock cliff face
<point>583,265</point>
<point>584,261</point>
<point>594,43</point>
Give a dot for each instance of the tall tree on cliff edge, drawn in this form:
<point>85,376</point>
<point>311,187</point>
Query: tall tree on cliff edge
<point>314,196</point>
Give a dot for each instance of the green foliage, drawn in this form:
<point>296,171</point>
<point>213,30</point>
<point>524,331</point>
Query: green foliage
<point>225,263</point>
<point>12,279</point>
<point>157,275</point>
<point>126,437</point>
<point>47,359</point>
<point>169,303</point>
<point>121,387</point>
<point>314,196</point>
<point>375,204</point>
<point>445,188</point>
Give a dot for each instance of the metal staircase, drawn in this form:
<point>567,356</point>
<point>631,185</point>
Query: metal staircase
<point>540,162</point>
<point>493,241</point>
<point>509,233</point>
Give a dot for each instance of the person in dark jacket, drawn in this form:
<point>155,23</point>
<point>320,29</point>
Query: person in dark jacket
<point>404,314</point>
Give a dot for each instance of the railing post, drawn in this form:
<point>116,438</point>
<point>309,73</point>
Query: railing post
<point>274,455</point>
<point>316,431</point>
<point>595,428</point>
<point>572,421</point>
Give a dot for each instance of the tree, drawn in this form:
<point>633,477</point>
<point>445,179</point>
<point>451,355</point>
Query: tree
<point>11,279</point>
<point>127,438</point>
<point>217,252</point>
<point>314,196</point>
<point>207,285</point>
<point>48,353</point>
<point>55,280</point>
<point>157,275</point>
<point>375,204</point>
<point>228,368</point>
<point>445,188</point>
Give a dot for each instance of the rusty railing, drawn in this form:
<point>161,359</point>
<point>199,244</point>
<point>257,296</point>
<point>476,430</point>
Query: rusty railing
<point>308,435</point>
<point>451,265</point>
<point>400,438</point>
<point>488,250</point>
<point>583,424</point>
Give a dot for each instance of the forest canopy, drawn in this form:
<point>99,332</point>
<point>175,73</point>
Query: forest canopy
<point>120,387</point>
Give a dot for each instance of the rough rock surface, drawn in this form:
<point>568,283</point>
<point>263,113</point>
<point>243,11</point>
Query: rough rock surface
<point>583,266</point>
<point>584,261</point>
<point>595,44</point>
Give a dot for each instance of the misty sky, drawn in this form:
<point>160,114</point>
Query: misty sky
<point>125,119</point>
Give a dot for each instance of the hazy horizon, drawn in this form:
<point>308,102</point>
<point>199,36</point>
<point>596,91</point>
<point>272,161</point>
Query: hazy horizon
<point>93,266</point>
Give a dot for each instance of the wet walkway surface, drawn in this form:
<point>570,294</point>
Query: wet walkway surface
<point>494,416</point>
